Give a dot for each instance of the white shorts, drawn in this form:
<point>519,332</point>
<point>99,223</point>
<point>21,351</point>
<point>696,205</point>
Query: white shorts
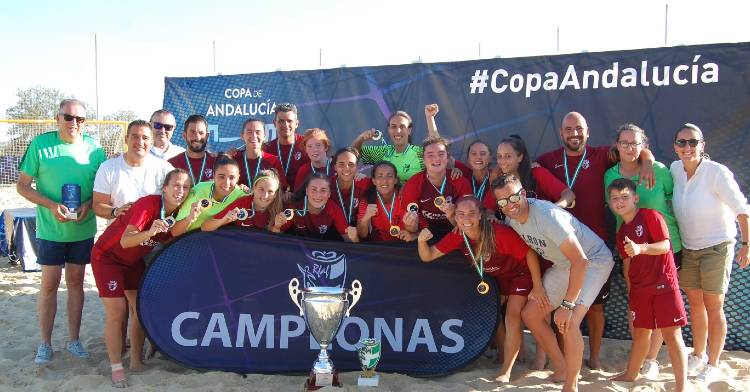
<point>556,280</point>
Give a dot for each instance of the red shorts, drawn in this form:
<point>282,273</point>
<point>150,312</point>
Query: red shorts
<point>657,309</point>
<point>113,278</point>
<point>515,285</point>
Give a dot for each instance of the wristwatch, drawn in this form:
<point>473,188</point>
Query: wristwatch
<point>114,213</point>
<point>567,305</point>
<point>744,243</point>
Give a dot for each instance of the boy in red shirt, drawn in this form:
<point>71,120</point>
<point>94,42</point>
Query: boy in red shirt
<point>653,289</point>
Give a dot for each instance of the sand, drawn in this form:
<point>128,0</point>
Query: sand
<point>19,336</point>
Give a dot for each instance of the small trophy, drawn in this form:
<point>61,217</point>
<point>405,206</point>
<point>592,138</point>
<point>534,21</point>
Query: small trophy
<point>369,356</point>
<point>71,198</point>
<point>323,309</point>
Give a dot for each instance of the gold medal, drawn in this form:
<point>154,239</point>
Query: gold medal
<point>394,230</point>
<point>242,214</point>
<point>169,221</point>
<point>289,214</point>
<point>439,201</point>
<point>412,207</point>
<point>205,203</point>
<point>377,135</point>
<point>483,288</point>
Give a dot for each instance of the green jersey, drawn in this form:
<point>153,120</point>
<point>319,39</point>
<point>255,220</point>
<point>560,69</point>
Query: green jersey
<point>203,191</point>
<point>659,198</point>
<point>54,163</point>
<point>408,163</point>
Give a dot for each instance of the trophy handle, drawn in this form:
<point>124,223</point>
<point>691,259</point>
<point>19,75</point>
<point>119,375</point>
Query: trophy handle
<point>294,293</point>
<point>355,292</point>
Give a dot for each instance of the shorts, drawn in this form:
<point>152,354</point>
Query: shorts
<point>707,269</point>
<point>515,285</point>
<point>556,278</point>
<point>113,278</point>
<point>59,253</point>
<point>657,309</point>
<point>603,295</point>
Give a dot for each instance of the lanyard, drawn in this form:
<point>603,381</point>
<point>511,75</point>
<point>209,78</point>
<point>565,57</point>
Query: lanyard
<point>442,186</point>
<point>388,213</point>
<point>304,210</point>
<point>328,166</point>
<point>568,181</point>
<point>288,158</point>
<point>479,193</point>
<point>479,265</point>
<point>212,193</point>
<point>247,169</point>
<point>351,202</point>
<point>190,167</point>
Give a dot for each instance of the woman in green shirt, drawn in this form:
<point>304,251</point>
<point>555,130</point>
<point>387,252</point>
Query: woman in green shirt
<point>630,141</point>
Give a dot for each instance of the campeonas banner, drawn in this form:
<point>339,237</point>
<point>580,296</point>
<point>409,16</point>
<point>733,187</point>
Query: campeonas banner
<point>220,301</point>
<point>657,89</point>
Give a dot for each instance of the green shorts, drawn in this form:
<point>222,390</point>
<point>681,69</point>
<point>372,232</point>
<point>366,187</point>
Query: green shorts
<point>707,269</point>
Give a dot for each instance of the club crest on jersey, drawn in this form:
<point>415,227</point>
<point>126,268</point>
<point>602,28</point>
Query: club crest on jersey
<point>323,268</point>
<point>639,231</point>
<point>297,156</point>
<point>586,164</point>
<point>323,229</point>
<point>208,173</point>
<point>112,285</point>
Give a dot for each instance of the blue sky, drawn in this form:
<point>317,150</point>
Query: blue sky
<point>51,43</point>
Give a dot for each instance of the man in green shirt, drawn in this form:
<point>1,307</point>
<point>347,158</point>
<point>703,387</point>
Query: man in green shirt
<point>54,159</point>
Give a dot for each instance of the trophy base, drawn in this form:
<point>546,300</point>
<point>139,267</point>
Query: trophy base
<point>368,381</point>
<point>320,380</point>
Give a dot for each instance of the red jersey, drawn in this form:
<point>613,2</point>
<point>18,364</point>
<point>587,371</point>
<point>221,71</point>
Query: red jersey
<point>306,170</point>
<point>141,214</point>
<point>419,190</point>
<point>194,165</point>
<point>648,271</point>
<point>480,188</point>
<point>328,224</point>
<point>259,221</point>
<point>343,198</point>
<point>290,163</point>
<point>380,223</point>
<point>588,185</point>
<point>509,259</point>
<point>268,161</point>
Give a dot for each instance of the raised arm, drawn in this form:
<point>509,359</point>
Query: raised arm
<point>430,111</point>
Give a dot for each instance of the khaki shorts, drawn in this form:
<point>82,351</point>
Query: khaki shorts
<point>707,269</point>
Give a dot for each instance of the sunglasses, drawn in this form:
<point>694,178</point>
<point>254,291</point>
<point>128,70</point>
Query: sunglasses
<point>684,142</point>
<point>166,127</point>
<point>70,117</point>
<point>514,198</point>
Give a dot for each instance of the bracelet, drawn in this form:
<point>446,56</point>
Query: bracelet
<point>744,243</point>
<point>567,305</point>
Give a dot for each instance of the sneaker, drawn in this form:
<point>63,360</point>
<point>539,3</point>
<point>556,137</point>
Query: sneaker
<point>695,364</point>
<point>76,348</point>
<point>43,354</point>
<point>709,374</point>
<point>650,369</point>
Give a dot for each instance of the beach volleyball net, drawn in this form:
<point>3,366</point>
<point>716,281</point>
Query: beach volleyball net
<point>15,136</point>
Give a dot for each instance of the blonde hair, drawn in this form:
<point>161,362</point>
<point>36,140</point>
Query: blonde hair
<point>276,205</point>
<point>486,247</point>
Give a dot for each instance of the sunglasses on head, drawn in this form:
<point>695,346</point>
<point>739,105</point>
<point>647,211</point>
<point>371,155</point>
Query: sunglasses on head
<point>684,142</point>
<point>70,117</point>
<point>514,198</point>
<point>166,127</point>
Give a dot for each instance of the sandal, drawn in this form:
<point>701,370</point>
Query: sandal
<point>119,379</point>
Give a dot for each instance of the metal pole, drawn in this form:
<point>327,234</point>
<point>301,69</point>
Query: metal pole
<point>96,75</point>
<point>214,50</point>
<point>320,57</point>
<point>479,49</point>
<point>666,22</point>
<point>558,39</point>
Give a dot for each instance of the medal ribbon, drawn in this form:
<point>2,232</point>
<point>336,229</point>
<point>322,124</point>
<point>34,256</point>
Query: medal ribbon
<point>212,193</point>
<point>288,158</point>
<point>479,193</point>
<point>478,265</point>
<point>388,213</point>
<point>328,166</point>
<point>247,169</point>
<point>568,181</point>
<point>442,186</point>
<point>351,202</point>
<point>190,167</point>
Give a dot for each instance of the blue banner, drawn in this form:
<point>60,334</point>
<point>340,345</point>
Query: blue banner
<point>220,301</point>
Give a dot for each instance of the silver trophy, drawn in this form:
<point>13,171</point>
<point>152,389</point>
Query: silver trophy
<point>323,309</point>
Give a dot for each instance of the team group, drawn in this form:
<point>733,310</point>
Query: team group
<point>537,227</point>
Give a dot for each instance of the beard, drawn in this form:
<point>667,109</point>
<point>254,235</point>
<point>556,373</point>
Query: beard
<point>581,145</point>
<point>202,147</point>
